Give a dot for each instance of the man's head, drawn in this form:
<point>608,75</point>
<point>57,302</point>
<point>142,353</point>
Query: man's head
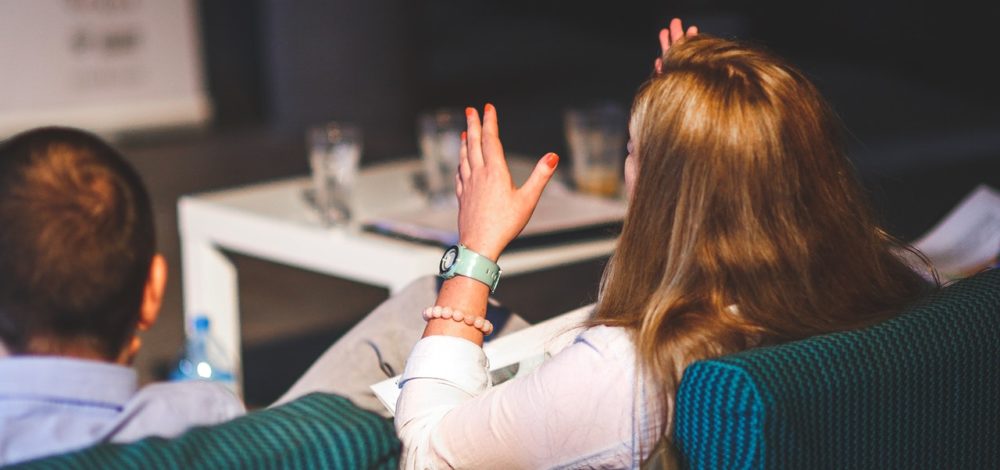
<point>78,269</point>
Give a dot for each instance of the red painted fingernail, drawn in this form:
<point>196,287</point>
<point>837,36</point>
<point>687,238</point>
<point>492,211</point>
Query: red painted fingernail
<point>463,135</point>
<point>489,107</point>
<point>552,160</point>
<point>469,111</point>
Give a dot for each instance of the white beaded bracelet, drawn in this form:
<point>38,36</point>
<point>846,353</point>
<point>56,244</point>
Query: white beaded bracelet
<point>448,313</point>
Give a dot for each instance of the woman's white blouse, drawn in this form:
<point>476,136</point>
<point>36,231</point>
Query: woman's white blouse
<point>584,407</point>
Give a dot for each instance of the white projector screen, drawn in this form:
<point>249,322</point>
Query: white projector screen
<point>104,65</point>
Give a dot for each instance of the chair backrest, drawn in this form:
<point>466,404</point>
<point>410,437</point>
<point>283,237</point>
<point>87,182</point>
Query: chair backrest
<point>919,391</point>
<point>316,431</point>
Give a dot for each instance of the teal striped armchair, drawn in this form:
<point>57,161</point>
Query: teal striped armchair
<point>314,432</point>
<point>919,391</point>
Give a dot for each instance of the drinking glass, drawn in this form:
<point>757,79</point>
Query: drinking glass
<point>596,138</point>
<point>440,135</point>
<point>334,153</point>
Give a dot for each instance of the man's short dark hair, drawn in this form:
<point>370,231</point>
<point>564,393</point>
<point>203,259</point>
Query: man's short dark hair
<point>76,242</point>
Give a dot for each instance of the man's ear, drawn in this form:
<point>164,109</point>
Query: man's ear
<point>152,296</point>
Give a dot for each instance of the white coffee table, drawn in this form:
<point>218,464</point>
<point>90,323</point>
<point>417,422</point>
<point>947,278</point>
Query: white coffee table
<point>273,221</point>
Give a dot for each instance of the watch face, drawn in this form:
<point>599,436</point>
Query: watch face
<point>448,260</point>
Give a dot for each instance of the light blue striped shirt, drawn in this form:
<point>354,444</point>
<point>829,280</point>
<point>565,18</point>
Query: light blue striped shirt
<point>51,405</point>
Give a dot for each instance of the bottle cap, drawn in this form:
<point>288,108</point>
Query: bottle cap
<point>201,323</point>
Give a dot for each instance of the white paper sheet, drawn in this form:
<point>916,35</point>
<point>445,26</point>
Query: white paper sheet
<point>968,238</point>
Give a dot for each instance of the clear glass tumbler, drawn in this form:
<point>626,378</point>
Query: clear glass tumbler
<point>440,134</point>
<point>334,154</point>
<point>596,137</point>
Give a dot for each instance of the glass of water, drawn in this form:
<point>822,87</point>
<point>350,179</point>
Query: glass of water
<point>334,154</point>
<point>440,134</point>
<point>596,138</point>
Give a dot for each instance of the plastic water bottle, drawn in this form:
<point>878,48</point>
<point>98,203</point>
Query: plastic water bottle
<point>202,358</point>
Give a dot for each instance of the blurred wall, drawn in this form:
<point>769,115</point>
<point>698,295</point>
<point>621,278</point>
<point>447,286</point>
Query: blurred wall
<point>910,79</point>
<point>342,60</point>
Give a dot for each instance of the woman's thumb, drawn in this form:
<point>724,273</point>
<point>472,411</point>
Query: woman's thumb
<point>541,175</point>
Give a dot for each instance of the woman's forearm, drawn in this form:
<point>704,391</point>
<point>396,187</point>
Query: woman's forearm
<point>466,295</point>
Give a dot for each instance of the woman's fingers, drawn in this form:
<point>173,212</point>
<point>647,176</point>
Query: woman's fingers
<point>463,170</point>
<point>676,30</point>
<point>664,40</point>
<point>492,148</point>
<point>540,176</point>
<point>673,34</point>
<point>474,145</point>
<point>463,159</point>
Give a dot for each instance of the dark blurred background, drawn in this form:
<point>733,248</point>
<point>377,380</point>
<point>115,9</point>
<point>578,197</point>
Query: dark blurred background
<point>912,81</point>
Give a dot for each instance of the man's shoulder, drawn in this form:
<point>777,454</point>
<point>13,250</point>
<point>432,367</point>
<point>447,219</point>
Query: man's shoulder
<point>50,405</point>
<point>167,409</point>
<point>196,394</point>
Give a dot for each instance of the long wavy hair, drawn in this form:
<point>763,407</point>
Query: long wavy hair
<point>747,224</point>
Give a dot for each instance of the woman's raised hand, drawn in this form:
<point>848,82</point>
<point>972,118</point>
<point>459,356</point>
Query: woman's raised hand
<point>672,35</point>
<point>491,210</point>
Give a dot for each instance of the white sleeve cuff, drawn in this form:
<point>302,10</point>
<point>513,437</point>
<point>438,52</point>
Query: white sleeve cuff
<point>456,361</point>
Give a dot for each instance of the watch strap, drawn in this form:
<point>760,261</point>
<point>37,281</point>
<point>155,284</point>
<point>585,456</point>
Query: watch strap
<point>468,263</point>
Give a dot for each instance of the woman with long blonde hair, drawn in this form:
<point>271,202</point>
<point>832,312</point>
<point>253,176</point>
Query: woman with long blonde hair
<point>746,226</point>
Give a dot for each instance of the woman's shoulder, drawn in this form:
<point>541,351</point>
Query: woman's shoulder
<point>608,341</point>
